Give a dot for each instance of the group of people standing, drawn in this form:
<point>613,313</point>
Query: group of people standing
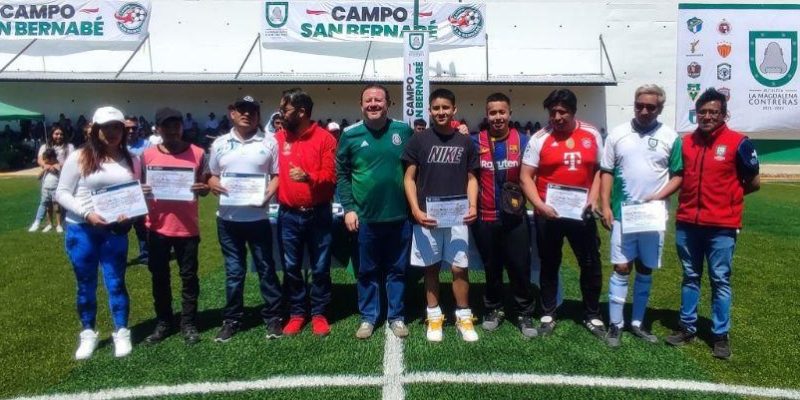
<point>389,179</point>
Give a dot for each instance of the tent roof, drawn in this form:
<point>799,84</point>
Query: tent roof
<point>9,113</point>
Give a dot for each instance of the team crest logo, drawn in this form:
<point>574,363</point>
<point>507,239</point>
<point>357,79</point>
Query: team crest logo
<point>724,49</point>
<point>773,57</point>
<point>724,27</point>
<point>726,92</point>
<point>416,40</point>
<point>570,143</point>
<point>483,150</point>
<point>131,18</point>
<point>719,152</point>
<point>586,143</point>
<point>277,13</point>
<point>693,70</point>
<point>694,24</point>
<point>466,22</point>
<point>513,148</point>
<point>724,72</point>
<point>693,46</point>
<point>287,148</point>
<point>692,117</point>
<point>652,143</point>
<point>396,140</point>
<point>693,89</point>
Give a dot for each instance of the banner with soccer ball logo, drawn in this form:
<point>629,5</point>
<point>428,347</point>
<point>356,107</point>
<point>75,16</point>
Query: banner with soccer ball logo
<point>748,52</point>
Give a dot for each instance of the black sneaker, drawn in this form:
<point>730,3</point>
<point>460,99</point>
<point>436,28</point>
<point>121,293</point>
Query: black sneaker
<point>639,332</point>
<point>722,348</point>
<point>546,326</point>
<point>229,328</point>
<point>190,334</point>
<point>526,327</point>
<point>161,332</point>
<point>493,319</point>
<point>614,336</point>
<point>596,327</point>
<point>680,337</point>
<point>274,328</point>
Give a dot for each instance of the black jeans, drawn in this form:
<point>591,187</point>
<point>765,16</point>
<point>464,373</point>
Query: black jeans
<point>583,239</point>
<point>506,242</point>
<point>186,255</point>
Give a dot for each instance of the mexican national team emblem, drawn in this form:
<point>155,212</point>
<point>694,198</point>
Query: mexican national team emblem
<point>724,72</point>
<point>416,40</point>
<point>693,89</point>
<point>694,24</point>
<point>466,22</point>
<point>724,27</point>
<point>131,18</point>
<point>692,117</point>
<point>724,49</point>
<point>719,152</point>
<point>693,70</point>
<point>773,57</point>
<point>396,140</point>
<point>726,92</point>
<point>277,13</point>
<point>652,143</point>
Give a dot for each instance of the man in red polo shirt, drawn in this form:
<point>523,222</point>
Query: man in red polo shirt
<point>306,181</point>
<point>720,168</point>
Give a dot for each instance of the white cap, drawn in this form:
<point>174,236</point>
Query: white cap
<point>333,126</point>
<point>104,115</point>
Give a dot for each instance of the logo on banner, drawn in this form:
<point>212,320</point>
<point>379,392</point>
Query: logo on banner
<point>693,46</point>
<point>416,40</point>
<point>277,13</point>
<point>466,22</point>
<point>694,24</point>
<point>770,64</point>
<point>724,49</point>
<point>692,117</point>
<point>724,27</point>
<point>693,89</point>
<point>693,70</point>
<point>724,72</point>
<point>131,18</point>
<point>726,92</point>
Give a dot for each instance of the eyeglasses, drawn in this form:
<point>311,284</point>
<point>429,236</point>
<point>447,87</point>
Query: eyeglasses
<point>285,111</point>
<point>710,113</point>
<point>642,106</point>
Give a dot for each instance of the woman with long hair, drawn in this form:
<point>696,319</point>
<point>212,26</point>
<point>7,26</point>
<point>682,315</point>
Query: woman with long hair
<point>49,177</point>
<point>90,240</point>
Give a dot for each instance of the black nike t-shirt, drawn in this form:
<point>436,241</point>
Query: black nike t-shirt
<point>442,161</point>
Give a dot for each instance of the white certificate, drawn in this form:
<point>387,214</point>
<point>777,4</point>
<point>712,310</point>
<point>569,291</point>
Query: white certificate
<point>568,201</point>
<point>243,189</point>
<point>124,199</point>
<point>448,211</point>
<point>644,217</point>
<point>171,183</point>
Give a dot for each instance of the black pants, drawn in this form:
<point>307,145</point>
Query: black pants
<point>185,248</point>
<point>583,239</point>
<point>506,242</point>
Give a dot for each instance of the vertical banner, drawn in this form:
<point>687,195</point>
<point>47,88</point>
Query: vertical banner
<point>748,52</point>
<point>416,82</point>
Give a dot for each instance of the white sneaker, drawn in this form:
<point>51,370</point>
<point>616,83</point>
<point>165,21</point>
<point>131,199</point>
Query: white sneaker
<point>47,228</point>
<point>59,229</point>
<point>34,227</point>
<point>122,342</point>
<point>434,331</point>
<point>467,328</point>
<point>88,342</point>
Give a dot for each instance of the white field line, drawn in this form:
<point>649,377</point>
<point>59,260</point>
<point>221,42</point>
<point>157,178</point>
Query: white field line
<point>393,367</point>
<point>599,381</point>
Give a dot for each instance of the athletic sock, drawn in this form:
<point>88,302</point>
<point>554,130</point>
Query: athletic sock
<point>617,292</point>
<point>641,295</point>
<point>434,312</point>
<point>463,313</point>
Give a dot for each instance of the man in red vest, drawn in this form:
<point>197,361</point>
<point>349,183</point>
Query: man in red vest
<point>720,168</point>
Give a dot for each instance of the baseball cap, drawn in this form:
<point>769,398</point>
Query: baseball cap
<point>104,115</point>
<point>333,126</point>
<point>247,102</point>
<point>163,114</point>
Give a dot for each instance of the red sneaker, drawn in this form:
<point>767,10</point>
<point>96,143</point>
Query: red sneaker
<point>320,326</point>
<point>295,325</point>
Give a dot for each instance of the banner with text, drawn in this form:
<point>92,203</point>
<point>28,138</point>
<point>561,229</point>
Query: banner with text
<point>747,52</point>
<point>94,20</point>
<point>458,24</point>
<point>416,82</point>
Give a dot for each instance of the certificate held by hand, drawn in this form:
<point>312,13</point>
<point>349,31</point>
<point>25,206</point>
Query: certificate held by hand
<point>171,183</point>
<point>243,189</point>
<point>448,211</point>
<point>124,199</point>
<point>644,217</point>
<point>568,201</point>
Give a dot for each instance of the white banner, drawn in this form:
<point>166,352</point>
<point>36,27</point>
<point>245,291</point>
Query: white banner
<point>459,24</point>
<point>748,52</point>
<point>94,20</point>
<point>416,82</point>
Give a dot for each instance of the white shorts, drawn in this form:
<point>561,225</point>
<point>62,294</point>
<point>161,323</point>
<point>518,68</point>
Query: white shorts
<point>430,246</point>
<point>646,246</point>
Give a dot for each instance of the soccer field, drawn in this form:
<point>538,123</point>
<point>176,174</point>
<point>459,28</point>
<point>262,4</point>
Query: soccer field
<point>39,332</point>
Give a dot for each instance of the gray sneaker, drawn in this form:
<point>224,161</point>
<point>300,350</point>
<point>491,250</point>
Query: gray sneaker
<point>547,325</point>
<point>526,327</point>
<point>364,330</point>
<point>614,336</point>
<point>639,332</point>
<point>398,328</point>
<point>493,319</point>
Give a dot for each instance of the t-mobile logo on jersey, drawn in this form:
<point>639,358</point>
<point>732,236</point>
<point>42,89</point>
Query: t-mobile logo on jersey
<point>572,159</point>
<point>445,155</point>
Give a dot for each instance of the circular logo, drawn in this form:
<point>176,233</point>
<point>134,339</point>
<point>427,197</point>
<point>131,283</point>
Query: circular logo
<point>130,18</point>
<point>396,139</point>
<point>587,144</point>
<point>466,22</point>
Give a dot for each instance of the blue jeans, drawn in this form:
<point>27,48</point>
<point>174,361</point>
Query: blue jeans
<point>383,250</point>
<point>299,230</point>
<point>234,240</point>
<point>87,247</point>
<point>716,246</point>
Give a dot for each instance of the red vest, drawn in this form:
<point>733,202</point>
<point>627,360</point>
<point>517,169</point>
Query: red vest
<point>711,193</point>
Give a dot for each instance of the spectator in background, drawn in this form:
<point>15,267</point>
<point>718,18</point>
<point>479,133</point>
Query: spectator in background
<point>536,127</point>
<point>345,123</point>
<point>212,125</point>
<point>334,129</point>
<point>528,129</point>
<point>188,121</point>
<point>420,125</point>
<point>50,174</point>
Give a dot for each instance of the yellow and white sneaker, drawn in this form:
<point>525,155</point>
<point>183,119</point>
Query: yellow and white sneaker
<point>466,328</point>
<point>434,332</point>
